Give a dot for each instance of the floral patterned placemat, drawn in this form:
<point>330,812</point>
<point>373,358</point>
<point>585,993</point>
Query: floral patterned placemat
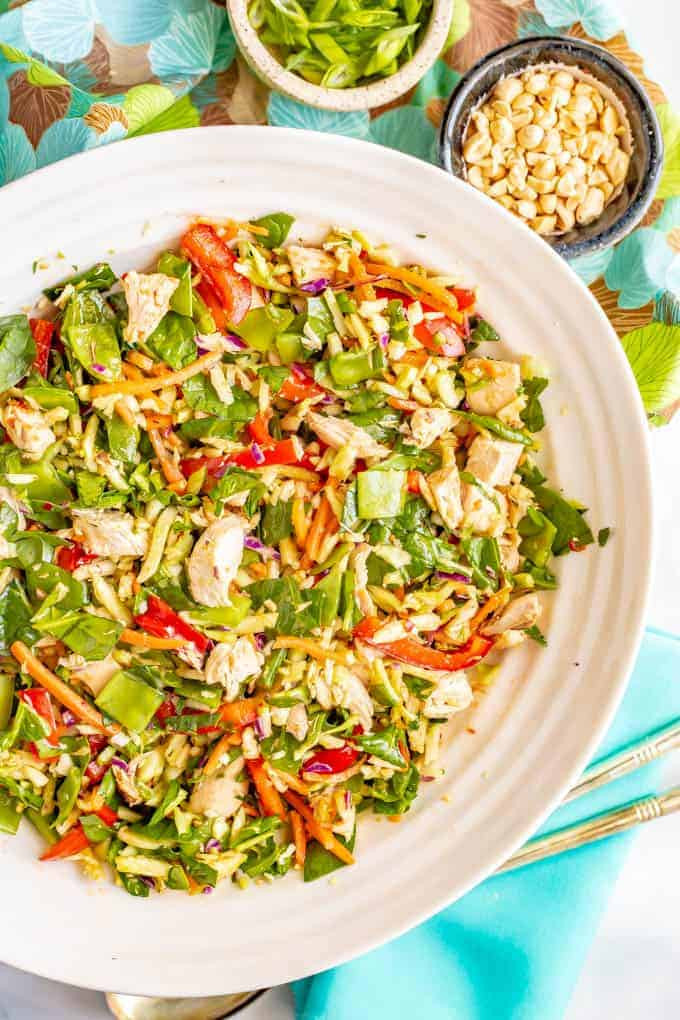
<point>75,74</point>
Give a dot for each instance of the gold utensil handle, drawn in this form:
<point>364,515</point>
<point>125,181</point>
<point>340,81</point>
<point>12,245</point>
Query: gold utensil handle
<point>600,826</point>
<point>622,762</point>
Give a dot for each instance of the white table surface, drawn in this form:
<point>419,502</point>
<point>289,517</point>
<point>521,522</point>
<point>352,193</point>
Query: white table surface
<point>631,971</point>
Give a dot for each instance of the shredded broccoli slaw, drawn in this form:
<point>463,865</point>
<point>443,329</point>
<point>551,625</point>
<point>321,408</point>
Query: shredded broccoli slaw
<point>269,515</point>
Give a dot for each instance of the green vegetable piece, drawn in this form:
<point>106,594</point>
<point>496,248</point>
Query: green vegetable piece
<point>90,487</point>
<point>320,862</point>
<point>485,421</point>
<point>567,518</point>
<point>10,817</point>
<point>330,588</point>
<point>274,376</point>
<point>177,878</point>
<point>67,794</point>
<point>350,367</point>
<point>15,615</point>
<point>42,826</point>
<point>6,699</point>
<point>201,395</point>
<point>199,871</point>
<point>173,340</point>
<point>100,277</point>
<point>387,49</point>
<point>532,415</point>
<point>95,829</point>
<point>173,265</point>
<point>96,348</point>
<point>17,349</point>
<point>93,637</point>
<point>261,326</point>
<point>536,635</point>
<point>603,537</point>
<point>51,396</point>
<point>483,331</point>
<point>278,225</point>
<point>174,795</point>
<point>289,346</point>
<point>384,744</point>
<point>276,522</point>
<point>123,439</point>
<point>129,701</point>
<point>538,535</point>
<point>223,616</point>
<point>380,493</point>
<point>202,315</point>
<point>272,666</point>
<point>45,578</point>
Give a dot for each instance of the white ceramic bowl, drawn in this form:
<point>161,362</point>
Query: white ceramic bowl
<point>535,728</point>
<point>363,97</point>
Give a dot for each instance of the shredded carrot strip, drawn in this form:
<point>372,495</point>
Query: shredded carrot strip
<point>124,412</point>
<point>433,290</point>
<point>417,358</point>
<point>132,372</point>
<point>258,570</point>
<point>300,522</point>
<point>358,269</point>
<point>141,361</point>
<point>143,640</point>
<point>268,795</point>
<point>220,748</point>
<point>496,601</point>
<point>156,420</point>
<point>312,648</point>
<point>135,386</point>
<point>299,838</point>
<point>291,781</point>
<point>402,405</point>
<point>315,534</point>
<point>61,691</point>
<point>194,886</point>
<point>319,832</point>
<point>169,468</point>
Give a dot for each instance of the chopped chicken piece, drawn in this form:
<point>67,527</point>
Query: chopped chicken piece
<point>445,488</point>
<point>501,381</point>
<point>27,429</point>
<point>493,460</point>
<point>517,615</point>
<point>480,513</point>
<point>109,533</point>
<point>343,689</point>
<point>221,795</point>
<point>508,548</point>
<point>337,432</point>
<point>452,694</point>
<point>215,560</point>
<point>360,558</point>
<point>148,299</point>
<point>428,424</point>
<point>297,723</point>
<point>231,665</point>
<point>125,781</point>
<point>309,264</point>
<point>95,675</point>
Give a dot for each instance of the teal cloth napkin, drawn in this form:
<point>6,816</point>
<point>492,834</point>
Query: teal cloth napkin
<point>512,948</point>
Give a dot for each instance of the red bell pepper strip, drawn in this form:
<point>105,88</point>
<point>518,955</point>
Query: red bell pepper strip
<point>43,332</point>
<point>299,386</point>
<point>95,771</point>
<point>107,815</point>
<point>330,761</point>
<point>465,298</point>
<point>414,654</point>
<point>213,305</point>
<point>413,482</point>
<point>162,621</point>
<point>285,451</point>
<point>215,260</point>
<point>69,557</point>
<point>259,430</point>
<point>440,337</point>
<point>165,710</point>
<point>239,713</point>
<point>72,843</point>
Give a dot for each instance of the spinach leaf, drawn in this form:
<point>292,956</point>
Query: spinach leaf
<point>199,871</point>
<point>237,480</point>
<point>133,884</point>
<point>173,265</point>
<point>100,277</point>
<point>276,522</point>
<point>17,349</point>
<point>34,547</point>
<point>201,395</point>
<point>366,400</point>
<point>274,376</point>
<point>46,493</point>
<point>536,635</point>
<point>406,457</point>
<point>173,796</point>
<point>201,428</point>
<point>380,423</point>
<point>482,331</point>
<point>93,637</point>
<point>319,319</point>
<point>566,517</point>
<point>90,334</point>
<point>173,340</point>
<point>538,534</point>
<point>90,487</point>
<point>254,832</point>
<point>123,439</point>
<point>530,474</point>
<point>44,578</point>
<point>95,829</point>
<point>15,615</point>
<point>484,557</point>
<point>277,225</point>
<point>395,795</point>
<point>532,415</point>
<point>384,744</point>
<point>320,862</point>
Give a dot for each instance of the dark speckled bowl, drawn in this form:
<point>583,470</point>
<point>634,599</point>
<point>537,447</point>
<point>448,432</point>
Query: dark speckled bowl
<point>626,211</point>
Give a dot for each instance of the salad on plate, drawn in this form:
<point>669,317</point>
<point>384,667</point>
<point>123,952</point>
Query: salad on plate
<point>269,517</point>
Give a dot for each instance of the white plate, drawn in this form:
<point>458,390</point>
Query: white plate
<point>534,730</point>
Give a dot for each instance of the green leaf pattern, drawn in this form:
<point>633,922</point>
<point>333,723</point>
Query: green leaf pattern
<point>175,66</point>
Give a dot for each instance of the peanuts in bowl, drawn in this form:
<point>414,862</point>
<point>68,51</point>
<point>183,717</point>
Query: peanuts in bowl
<point>550,144</point>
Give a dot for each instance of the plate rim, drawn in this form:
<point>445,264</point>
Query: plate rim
<point>393,929</point>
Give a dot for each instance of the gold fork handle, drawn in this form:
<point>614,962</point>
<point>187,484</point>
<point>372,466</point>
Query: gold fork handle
<point>610,823</point>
